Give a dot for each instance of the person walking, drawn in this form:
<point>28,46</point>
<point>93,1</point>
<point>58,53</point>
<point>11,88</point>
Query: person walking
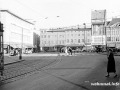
<point>111,64</point>
<point>66,51</point>
<point>70,50</point>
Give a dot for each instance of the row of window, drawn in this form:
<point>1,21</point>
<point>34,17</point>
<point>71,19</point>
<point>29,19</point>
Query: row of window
<point>44,31</point>
<point>113,32</point>
<point>62,36</point>
<point>68,41</point>
<point>113,38</point>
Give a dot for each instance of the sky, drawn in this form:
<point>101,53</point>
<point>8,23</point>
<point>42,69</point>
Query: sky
<point>60,13</point>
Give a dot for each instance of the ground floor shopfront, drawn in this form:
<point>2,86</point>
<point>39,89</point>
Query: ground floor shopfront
<point>58,48</point>
<point>16,47</point>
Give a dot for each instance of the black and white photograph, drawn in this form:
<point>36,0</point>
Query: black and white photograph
<point>59,45</point>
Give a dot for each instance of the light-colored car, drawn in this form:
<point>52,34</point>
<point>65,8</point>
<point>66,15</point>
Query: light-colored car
<point>88,49</point>
<point>12,53</point>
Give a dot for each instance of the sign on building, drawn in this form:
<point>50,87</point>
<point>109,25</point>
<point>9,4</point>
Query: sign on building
<point>98,16</point>
<point>98,40</point>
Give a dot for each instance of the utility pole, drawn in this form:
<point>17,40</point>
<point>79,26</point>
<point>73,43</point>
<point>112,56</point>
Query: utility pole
<point>20,56</point>
<point>105,34</point>
<point>84,31</point>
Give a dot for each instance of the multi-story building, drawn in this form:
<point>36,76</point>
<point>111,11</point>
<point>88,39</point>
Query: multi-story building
<point>18,32</point>
<point>105,33</point>
<point>113,33</point>
<point>98,19</point>
<point>77,37</point>
<point>36,40</point>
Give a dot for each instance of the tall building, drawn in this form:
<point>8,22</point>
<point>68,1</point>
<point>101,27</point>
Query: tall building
<point>70,37</point>
<point>18,32</point>
<point>98,20</point>
<point>36,40</point>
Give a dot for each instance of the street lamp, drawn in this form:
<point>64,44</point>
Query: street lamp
<point>20,52</point>
<point>1,49</point>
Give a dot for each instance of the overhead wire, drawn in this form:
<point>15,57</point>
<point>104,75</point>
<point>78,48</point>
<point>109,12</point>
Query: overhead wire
<point>30,9</point>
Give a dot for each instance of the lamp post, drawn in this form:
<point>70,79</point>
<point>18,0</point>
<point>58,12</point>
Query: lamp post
<point>20,52</point>
<point>84,32</point>
<point>1,50</point>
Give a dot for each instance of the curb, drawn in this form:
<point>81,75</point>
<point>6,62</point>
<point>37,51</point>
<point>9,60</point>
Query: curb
<point>14,62</point>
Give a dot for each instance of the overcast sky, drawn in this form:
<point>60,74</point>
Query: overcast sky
<point>57,13</point>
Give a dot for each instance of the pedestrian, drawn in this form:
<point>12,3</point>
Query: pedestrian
<point>66,50</point>
<point>111,63</point>
<point>70,51</point>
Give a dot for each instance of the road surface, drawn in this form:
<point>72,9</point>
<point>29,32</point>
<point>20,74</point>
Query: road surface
<point>77,72</point>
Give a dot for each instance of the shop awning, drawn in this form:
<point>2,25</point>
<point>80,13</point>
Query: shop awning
<point>19,45</point>
<point>111,45</point>
<point>13,45</point>
<point>29,46</point>
<point>75,45</point>
<point>59,46</point>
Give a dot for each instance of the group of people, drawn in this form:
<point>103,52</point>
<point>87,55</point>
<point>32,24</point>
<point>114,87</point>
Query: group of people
<point>67,50</point>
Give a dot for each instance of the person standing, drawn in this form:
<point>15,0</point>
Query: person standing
<point>111,63</point>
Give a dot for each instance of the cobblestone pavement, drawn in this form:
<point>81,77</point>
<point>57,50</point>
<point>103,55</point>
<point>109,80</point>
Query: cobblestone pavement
<point>17,70</point>
<point>11,59</point>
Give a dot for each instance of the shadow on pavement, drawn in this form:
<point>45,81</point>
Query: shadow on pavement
<point>104,53</point>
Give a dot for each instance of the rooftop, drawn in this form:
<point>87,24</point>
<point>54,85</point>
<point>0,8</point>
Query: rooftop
<point>114,20</point>
<point>63,30</point>
<point>15,16</point>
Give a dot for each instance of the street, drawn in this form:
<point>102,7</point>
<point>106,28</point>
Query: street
<point>77,72</point>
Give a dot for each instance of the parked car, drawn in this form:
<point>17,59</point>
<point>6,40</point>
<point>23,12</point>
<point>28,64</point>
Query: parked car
<point>12,53</point>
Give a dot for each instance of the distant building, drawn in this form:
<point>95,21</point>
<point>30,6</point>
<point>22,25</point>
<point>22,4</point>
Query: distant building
<point>18,32</point>
<point>113,33</point>
<point>74,38</point>
<point>36,40</point>
<point>98,20</point>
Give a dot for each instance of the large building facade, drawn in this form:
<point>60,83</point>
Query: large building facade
<point>18,33</point>
<point>113,33</point>
<point>71,37</point>
<point>105,33</point>
<point>98,20</point>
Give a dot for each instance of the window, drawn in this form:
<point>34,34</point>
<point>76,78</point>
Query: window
<point>78,40</point>
<point>48,36</point>
<point>88,40</point>
<point>67,40</point>
<point>117,38</point>
<point>71,40</point>
<point>82,40</point>
<point>108,39</point>
<point>63,42</point>
<point>44,36</point>
<point>44,42</point>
